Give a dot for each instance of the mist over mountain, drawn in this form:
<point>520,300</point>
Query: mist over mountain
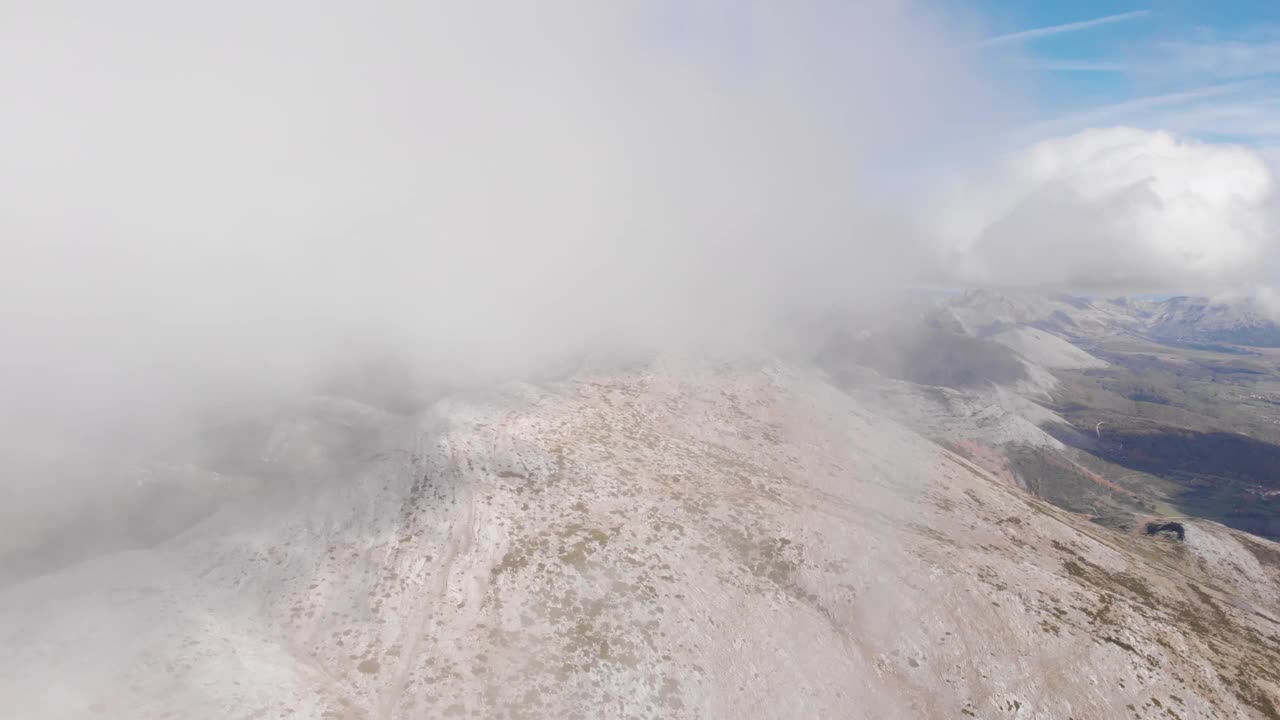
<point>1241,319</point>
<point>1237,321</point>
<point>608,359</point>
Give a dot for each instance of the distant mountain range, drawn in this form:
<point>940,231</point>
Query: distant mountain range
<point>1243,321</point>
<point>1240,321</point>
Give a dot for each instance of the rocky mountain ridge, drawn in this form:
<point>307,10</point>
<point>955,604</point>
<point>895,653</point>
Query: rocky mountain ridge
<point>1244,320</point>
<point>682,540</point>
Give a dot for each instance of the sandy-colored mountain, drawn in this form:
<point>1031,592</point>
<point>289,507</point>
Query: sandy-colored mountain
<point>672,542</point>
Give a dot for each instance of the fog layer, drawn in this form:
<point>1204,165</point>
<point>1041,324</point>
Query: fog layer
<point>240,195</point>
<point>210,208</point>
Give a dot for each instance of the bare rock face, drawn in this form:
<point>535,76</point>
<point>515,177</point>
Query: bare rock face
<point>675,542</point>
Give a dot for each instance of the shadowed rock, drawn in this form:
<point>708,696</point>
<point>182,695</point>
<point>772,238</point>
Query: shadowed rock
<point>1156,528</point>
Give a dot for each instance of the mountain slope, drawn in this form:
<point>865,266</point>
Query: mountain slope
<point>673,542</point>
<point>1242,321</point>
<point>985,312</point>
<point>1247,320</point>
<point>1046,349</point>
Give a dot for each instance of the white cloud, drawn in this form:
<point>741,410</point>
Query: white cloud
<point>1034,33</point>
<point>1115,209</point>
<point>234,192</point>
<point>1262,300</point>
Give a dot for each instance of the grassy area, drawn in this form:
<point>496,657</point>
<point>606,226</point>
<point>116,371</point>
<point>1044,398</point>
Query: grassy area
<point>1189,431</point>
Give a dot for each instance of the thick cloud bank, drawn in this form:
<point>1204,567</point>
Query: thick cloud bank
<point>231,184</point>
<point>203,198</point>
<point>238,198</point>
<point>1115,209</point>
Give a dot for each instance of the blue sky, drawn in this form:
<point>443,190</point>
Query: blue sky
<point>1204,68</point>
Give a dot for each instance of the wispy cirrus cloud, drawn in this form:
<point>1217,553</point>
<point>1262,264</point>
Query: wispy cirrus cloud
<point>1034,33</point>
<point>1209,55</point>
<point>1253,54</point>
<point>1068,65</point>
<point>1130,112</point>
<point>1246,117</point>
<point>1215,85</point>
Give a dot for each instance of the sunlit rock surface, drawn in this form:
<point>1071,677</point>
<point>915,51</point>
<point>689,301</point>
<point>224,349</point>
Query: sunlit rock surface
<point>672,542</point>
